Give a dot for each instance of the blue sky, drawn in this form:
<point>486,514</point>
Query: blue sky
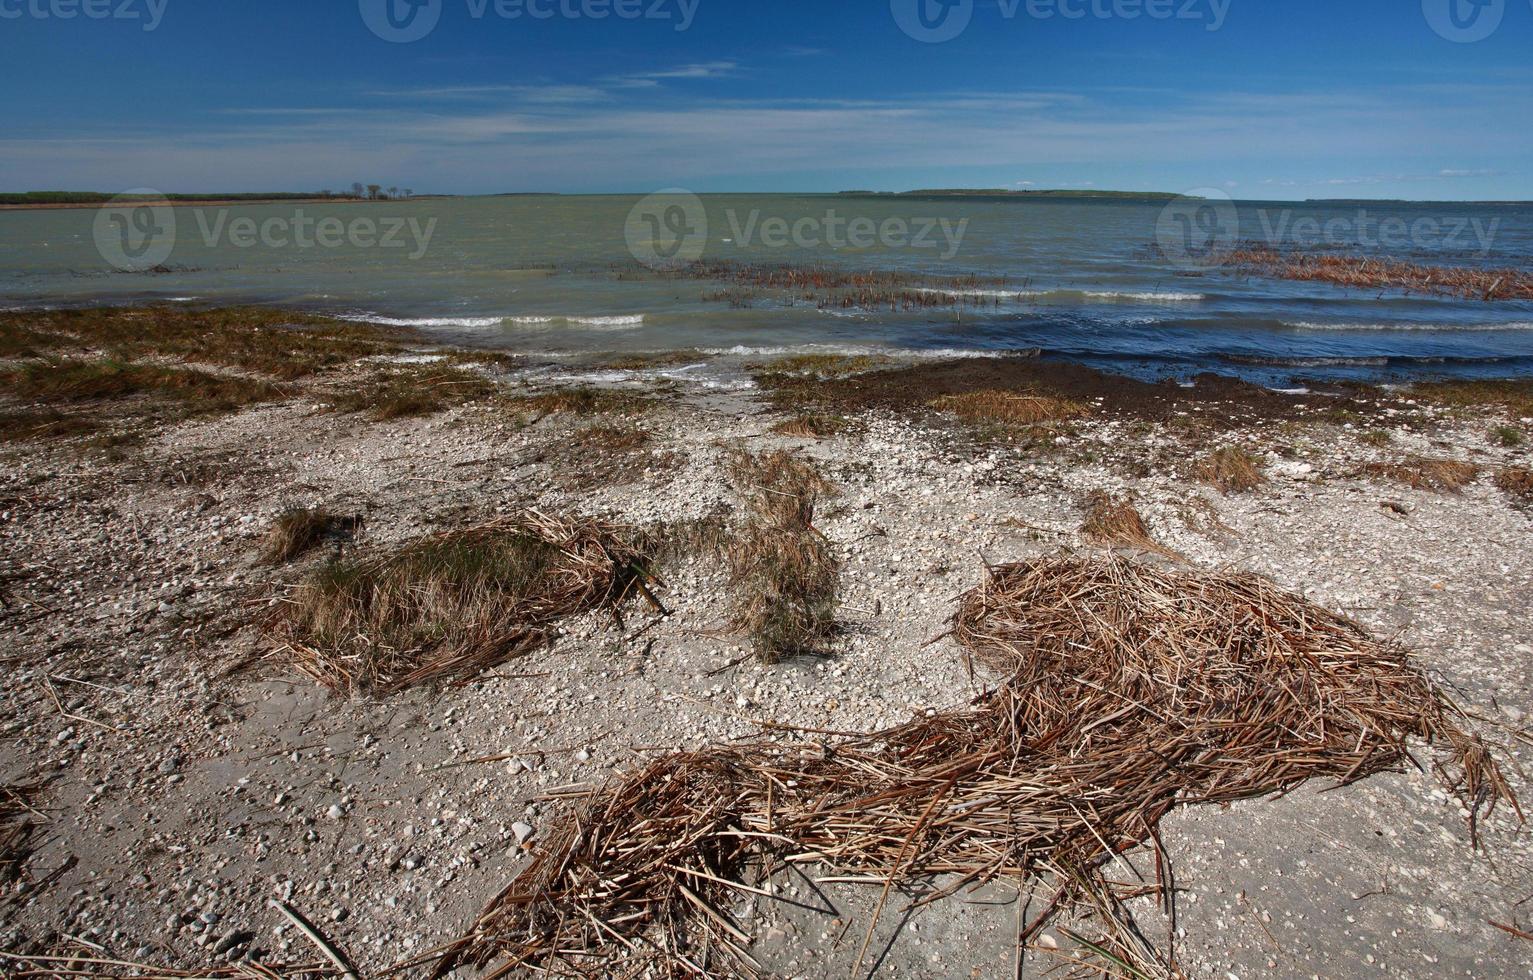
<point>1270,99</point>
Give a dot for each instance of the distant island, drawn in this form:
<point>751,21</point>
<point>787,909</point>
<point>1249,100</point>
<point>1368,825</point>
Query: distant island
<point>1156,196</point>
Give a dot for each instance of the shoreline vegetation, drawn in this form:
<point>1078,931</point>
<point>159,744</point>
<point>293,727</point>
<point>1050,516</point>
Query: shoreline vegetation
<point>513,667</point>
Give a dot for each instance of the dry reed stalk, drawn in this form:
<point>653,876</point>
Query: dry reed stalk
<point>1232,470</point>
<point>1126,692</point>
<point>1436,475</point>
<point>451,606</point>
<point>1360,272</point>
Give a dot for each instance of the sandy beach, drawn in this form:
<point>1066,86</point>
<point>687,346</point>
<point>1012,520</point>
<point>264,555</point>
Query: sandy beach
<point>184,781</point>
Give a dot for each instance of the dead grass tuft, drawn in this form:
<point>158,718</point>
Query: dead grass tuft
<point>1009,408</point>
<point>413,392</point>
<point>1126,693</point>
<point>811,425</point>
<point>1114,522</point>
<point>299,530</point>
<point>1517,483</point>
<point>450,606</point>
<point>1232,470</point>
<point>1419,473</point>
<point>782,570</point>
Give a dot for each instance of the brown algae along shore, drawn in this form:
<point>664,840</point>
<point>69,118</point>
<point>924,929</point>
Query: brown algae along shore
<point>335,651</point>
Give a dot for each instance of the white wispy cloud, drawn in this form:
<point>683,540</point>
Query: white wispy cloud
<point>613,135</point>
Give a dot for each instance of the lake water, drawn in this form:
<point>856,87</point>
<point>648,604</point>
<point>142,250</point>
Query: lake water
<point>1080,279</point>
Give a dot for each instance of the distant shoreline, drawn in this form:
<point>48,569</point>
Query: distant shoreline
<point>214,202</point>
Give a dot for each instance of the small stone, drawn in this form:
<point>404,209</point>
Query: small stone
<point>523,831</point>
<point>335,812</point>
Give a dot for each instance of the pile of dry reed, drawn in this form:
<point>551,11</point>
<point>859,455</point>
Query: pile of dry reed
<point>1419,473</point>
<point>1361,272</point>
<point>450,606</point>
<point>783,573</point>
<point>1127,692</point>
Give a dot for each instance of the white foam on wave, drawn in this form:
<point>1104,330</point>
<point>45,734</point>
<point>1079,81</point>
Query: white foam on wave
<point>624,322</point>
<point>1413,327</point>
<point>474,322</point>
<point>1097,295</point>
<point>859,350</point>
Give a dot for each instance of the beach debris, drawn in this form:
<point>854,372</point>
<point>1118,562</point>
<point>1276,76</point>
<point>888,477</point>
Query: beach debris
<point>1420,473</point>
<point>450,606</point>
<point>1364,272</point>
<point>1232,470</point>
<point>783,572</point>
<point>1114,522</point>
<point>1124,692</point>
